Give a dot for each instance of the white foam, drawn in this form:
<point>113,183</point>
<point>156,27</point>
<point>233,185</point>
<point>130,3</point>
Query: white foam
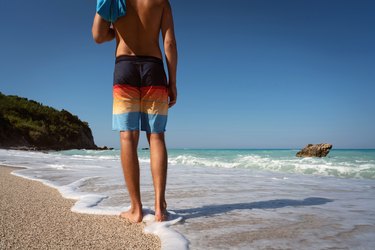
<point>199,161</point>
<point>86,203</point>
<point>170,239</point>
<point>45,182</point>
<point>57,166</point>
<point>309,165</point>
<point>70,191</point>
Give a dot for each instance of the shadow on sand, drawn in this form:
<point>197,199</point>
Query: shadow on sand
<point>211,210</point>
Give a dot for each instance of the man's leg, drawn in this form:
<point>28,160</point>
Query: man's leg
<point>159,162</point>
<point>130,167</point>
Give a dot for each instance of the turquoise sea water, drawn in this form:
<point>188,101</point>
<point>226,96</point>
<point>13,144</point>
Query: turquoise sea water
<point>226,198</point>
<point>343,163</point>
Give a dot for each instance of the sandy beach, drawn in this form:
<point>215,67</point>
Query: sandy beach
<point>36,216</point>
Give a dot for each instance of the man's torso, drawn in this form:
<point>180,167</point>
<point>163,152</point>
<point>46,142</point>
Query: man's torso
<point>137,33</point>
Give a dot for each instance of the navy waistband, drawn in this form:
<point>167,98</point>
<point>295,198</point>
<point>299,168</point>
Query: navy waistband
<point>139,59</point>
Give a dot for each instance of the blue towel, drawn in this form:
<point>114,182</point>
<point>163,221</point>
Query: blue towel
<point>111,10</point>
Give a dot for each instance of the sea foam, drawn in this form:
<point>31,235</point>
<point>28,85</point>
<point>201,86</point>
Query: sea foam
<point>226,198</point>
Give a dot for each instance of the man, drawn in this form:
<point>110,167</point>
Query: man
<point>142,92</point>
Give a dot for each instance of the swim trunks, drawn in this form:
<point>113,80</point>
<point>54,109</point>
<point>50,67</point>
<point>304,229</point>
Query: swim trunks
<point>140,93</point>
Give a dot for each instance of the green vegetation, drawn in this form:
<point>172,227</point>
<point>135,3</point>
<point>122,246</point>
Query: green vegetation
<point>28,123</point>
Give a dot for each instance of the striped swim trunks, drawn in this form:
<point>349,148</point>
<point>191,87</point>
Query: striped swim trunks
<point>140,94</point>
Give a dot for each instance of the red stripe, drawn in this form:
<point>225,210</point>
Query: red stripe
<point>124,86</point>
<point>127,86</point>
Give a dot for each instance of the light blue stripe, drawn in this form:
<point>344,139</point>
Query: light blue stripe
<point>127,121</point>
<point>153,123</point>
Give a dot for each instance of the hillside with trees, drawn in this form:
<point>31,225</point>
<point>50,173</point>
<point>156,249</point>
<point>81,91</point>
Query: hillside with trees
<point>28,124</point>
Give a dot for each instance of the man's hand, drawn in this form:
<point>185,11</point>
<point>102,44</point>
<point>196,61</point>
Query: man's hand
<point>172,93</point>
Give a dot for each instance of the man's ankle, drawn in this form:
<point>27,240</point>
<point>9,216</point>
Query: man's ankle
<point>136,207</point>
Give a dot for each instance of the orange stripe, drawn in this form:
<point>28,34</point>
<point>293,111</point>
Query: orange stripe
<point>155,108</point>
<point>125,92</point>
<point>125,106</point>
<point>126,99</point>
<point>155,94</point>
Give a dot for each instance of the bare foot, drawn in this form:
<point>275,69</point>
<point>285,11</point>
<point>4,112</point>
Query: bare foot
<point>161,216</point>
<point>161,213</point>
<point>132,215</point>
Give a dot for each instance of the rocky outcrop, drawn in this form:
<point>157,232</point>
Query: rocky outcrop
<point>315,150</point>
<point>26,124</point>
<point>104,148</point>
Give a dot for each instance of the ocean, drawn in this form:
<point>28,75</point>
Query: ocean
<point>227,198</point>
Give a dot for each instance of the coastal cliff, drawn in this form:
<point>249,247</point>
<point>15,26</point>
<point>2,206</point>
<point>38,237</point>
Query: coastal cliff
<point>27,124</point>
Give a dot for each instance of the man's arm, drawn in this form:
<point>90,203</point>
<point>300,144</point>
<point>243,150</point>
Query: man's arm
<point>170,49</point>
<point>101,30</point>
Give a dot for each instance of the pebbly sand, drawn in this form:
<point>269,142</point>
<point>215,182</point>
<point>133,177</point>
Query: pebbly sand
<point>34,216</point>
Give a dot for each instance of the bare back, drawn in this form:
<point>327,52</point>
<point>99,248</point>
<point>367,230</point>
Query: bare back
<point>137,33</point>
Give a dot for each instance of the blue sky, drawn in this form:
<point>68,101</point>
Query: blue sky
<point>251,74</point>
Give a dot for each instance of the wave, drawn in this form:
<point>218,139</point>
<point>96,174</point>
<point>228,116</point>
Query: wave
<point>317,166</point>
<point>344,164</point>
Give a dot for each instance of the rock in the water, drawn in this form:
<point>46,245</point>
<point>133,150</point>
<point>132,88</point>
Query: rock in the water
<point>315,150</point>
<point>104,148</point>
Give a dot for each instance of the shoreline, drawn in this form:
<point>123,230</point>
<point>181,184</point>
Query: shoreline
<point>36,216</point>
<point>230,200</point>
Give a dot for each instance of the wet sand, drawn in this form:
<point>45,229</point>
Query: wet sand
<point>36,216</point>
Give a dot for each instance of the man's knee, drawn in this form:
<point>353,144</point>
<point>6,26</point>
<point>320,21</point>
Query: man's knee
<point>129,136</point>
<point>156,137</point>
